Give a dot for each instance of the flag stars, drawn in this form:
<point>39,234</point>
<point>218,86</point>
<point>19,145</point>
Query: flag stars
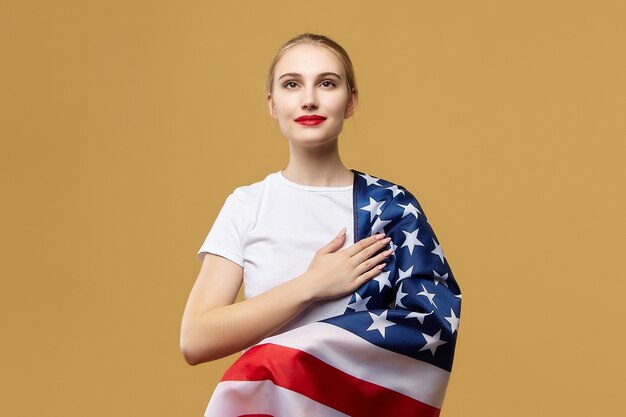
<point>428,295</point>
<point>404,274</point>
<point>399,296</point>
<point>360,304</point>
<point>432,342</point>
<point>438,251</point>
<point>418,316</point>
<point>411,240</point>
<point>393,248</point>
<point>383,280</point>
<point>380,323</point>
<point>440,278</point>
<point>374,208</point>
<point>453,320</point>
<point>370,180</point>
<point>395,190</point>
<point>379,225</point>
<point>410,209</point>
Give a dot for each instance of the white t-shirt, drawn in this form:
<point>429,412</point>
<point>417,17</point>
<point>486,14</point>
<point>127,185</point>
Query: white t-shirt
<point>272,228</point>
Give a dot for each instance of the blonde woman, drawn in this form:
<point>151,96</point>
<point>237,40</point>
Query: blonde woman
<point>350,305</point>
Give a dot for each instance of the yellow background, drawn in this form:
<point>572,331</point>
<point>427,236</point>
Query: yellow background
<point>125,124</point>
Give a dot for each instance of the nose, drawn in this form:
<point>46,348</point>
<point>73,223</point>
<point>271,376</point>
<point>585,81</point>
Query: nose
<point>309,99</point>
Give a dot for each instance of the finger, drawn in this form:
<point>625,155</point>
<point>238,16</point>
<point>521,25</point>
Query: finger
<point>363,243</point>
<point>334,244</point>
<point>369,251</point>
<point>369,275</point>
<point>372,262</point>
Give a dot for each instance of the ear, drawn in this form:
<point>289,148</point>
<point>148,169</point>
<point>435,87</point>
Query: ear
<point>352,104</point>
<point>270,106</point>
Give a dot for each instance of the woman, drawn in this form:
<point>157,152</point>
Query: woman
<point>279,237</point>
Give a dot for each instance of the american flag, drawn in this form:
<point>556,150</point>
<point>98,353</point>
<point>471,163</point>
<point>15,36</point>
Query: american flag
<point>389,354</point>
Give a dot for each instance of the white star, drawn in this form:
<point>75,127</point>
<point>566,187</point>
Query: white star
<point>410,209</point>
<point>380,322</point>
<point>457,295</point>
<point>393,248</point>
<point>370,180</point>
<point>374,208</point>
<point>360,304</point>
<point>399,296</point>
<point>411,240</point>
<point>438,251</point>
<point>432,342</point>
<point>453,320</point>
<point>379,225</point>
<point>395,190</point>
<point>419,316</point>
<point>438,278</point>
<point>404,274</point>
<point>383,280</point>
<point>428,295</point>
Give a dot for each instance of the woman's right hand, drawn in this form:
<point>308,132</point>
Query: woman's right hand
<point>334,274</point>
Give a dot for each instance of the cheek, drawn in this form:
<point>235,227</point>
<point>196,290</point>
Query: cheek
<point>285,106</point>
<point>339,108</point>
<point>285,113</point>
<point>337,104</point>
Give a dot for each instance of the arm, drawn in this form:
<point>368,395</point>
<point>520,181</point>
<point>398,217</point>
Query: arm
<point>210,311</point>
<point>213,327</point>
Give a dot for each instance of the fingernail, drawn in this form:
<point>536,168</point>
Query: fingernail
<point>342,232</point>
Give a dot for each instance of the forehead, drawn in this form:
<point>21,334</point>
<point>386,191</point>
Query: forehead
<point>308,59</point>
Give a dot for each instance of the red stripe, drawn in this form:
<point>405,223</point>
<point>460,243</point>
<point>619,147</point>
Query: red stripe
<point>304,373</point>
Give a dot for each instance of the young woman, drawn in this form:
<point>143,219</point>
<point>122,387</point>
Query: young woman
<point>290,239</point>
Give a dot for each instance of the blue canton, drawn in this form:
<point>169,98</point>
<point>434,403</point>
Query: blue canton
<point>413,306</point>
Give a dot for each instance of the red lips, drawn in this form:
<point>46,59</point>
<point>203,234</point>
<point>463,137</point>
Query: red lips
<point>310,120</point>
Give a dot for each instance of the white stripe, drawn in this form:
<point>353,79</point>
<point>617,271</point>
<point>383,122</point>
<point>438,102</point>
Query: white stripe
<point>355,356</point>
<point>230,400</point>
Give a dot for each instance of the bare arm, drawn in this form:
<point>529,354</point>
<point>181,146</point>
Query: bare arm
<point>213,327</point>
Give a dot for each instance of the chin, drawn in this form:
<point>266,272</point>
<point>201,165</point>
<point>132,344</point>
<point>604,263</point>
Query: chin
<point>313,142</point>
<point>312,136</point>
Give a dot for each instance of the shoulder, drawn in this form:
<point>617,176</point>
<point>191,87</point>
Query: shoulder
<point>250,192</point>
<point>381,187</point>
<point>252,189</point>
<point>392,197</point>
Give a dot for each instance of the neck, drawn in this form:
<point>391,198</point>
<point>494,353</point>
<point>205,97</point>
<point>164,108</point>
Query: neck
<point>318,166</point>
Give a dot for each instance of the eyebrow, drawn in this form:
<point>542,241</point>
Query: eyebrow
<point>323,74</point>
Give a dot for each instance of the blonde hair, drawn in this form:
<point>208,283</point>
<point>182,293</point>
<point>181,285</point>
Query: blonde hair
<point>319,40</point>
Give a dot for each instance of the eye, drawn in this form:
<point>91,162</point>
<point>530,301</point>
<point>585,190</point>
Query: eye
<point>288,84</point>
<point>327,83</point>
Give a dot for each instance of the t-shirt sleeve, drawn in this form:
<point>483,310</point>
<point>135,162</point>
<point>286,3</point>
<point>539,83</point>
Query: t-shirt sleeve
<point>225,238</point>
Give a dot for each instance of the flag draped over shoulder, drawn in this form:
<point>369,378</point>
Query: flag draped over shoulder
<point>389,354</point>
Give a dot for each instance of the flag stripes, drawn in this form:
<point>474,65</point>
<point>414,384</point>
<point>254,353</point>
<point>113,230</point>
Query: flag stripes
<point>321,382</point>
